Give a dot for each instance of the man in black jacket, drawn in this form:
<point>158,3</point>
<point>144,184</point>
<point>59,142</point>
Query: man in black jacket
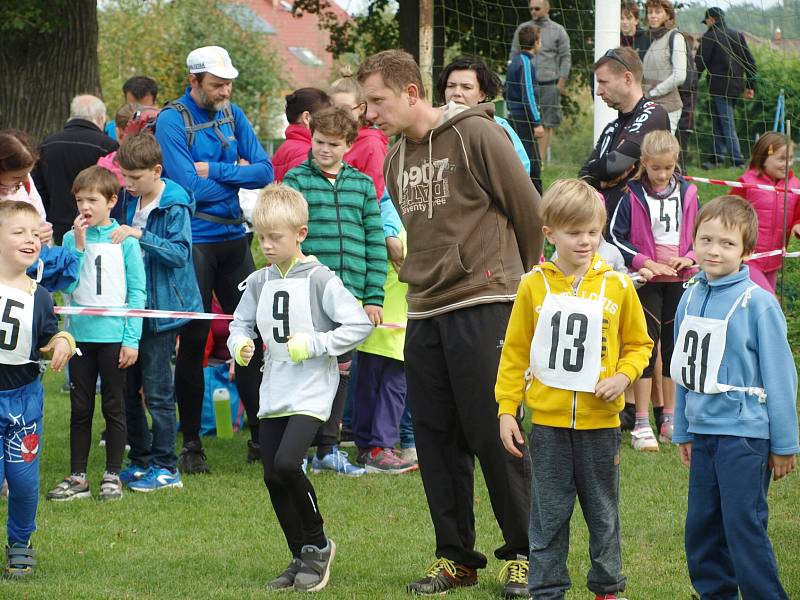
<point>65,154</point>
<point>731,71</point>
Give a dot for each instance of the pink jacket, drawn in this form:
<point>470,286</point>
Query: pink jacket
<point>367,155</point>
<point>293,151</point>
<point>769,208</point>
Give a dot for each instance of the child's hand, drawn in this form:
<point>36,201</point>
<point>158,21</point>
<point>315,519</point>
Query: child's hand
<point>298,347</point>
<point>61,350</point>
<point>375,314</point>
<point>538,132</point>
<point>123,231</point>
<point>79,226</point>
<point>796,230</point>
<point>394,248</point>
<point>45,232</point>
<point>243,353</point>
<point>781,465</point>
<point>680,262</point>
<point>685,452</point>
<point>646,273</point>
<point>611,388</point>
<point>660,269</point>
<point>127,357</point>
<point>510,435</point>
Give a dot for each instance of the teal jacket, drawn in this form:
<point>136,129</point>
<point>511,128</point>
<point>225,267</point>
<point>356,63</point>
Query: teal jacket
<point>86,328</point>
<point>345,231</point>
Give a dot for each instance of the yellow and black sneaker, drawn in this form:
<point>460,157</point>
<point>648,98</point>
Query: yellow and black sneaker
<point>442,576</point>
<point>514,577</point>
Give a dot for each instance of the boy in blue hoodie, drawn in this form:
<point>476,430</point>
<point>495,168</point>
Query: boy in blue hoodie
<point>158,213</point>
<point>735,408</point>
<point>111,276</point>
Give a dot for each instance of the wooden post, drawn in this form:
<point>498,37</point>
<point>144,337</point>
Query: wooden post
<point>426,44</point>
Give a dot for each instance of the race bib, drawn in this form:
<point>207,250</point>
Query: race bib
<point>102,279</point>
<point>284,309</point>
<point>16,326</point>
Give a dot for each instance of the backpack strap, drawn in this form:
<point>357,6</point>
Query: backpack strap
<point>191,128</point>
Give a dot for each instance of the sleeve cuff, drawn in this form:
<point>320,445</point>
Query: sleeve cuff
<point>629,372</point>
<point>70,340</point>
<point>638,261</point>
<point>507,407</point>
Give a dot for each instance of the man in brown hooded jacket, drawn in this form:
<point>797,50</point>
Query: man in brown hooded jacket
<point>470,212</point>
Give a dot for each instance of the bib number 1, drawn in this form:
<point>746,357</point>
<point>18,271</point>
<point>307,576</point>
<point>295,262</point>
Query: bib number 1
<point>572,360</point>
<point>696,350</point>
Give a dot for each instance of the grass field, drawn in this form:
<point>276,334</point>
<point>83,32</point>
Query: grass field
<point>218,537</point>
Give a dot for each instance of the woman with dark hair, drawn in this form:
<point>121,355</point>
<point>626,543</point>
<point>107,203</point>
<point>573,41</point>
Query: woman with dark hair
<point>300,105</point>
<point>469,81</point>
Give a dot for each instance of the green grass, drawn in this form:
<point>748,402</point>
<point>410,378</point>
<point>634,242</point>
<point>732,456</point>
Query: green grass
<point>218,537</point>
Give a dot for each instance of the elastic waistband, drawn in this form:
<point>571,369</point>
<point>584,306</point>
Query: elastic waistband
<point>28,389</point>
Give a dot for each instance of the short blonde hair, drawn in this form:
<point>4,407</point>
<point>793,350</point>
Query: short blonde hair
<point>572,202</point>
<point>735,213</point>
<point>657,143</point>
<point>279,204</point>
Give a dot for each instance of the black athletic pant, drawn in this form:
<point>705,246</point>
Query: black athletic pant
<point>524,130</point>
<point>220,268</point>
<point>660,303</point>
<point>285,442</point>
<point>96,359</point>
<point>331,430</point>
<point>451,369</point>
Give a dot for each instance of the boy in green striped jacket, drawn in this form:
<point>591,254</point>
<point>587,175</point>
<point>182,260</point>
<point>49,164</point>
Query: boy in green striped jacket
<point>345,233</point>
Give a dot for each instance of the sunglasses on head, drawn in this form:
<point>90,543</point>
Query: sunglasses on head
<point>612,54</point>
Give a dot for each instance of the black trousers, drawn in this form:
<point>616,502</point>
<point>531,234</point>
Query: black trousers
<point>220,268</point>
<point>331,430</point>
<point>451,369</point>
<point>660,303</point>
<point>524,130</point>
<point>285,442</point>
<point>97,359</point>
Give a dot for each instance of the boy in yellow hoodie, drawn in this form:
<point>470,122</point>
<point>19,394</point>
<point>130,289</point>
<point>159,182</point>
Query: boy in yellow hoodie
<point>576,340</point>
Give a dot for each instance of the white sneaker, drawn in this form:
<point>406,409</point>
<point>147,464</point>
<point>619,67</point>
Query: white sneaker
<point>409,454</point>
<point>644,440</point>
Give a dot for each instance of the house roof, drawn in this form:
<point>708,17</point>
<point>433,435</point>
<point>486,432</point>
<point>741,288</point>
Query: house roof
<point>299,41</point>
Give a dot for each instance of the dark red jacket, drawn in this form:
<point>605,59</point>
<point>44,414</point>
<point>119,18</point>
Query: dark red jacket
<point>293,151</point>
<point>367,155</point>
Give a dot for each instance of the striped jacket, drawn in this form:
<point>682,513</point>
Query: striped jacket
<point>345,231</point>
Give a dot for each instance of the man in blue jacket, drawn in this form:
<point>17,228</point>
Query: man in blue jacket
<point>210,149</point>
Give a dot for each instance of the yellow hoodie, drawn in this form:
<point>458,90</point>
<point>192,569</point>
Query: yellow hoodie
<point>626,348</point>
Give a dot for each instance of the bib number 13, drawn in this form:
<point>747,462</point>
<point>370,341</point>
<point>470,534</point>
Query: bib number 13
<point>576,326</point>
<point>696,350</point>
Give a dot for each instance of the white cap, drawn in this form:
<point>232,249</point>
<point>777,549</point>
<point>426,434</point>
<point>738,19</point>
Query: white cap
<point>211,59</point>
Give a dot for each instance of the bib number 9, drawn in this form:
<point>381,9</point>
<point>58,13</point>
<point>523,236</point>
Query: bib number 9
<point>572,359</point>
<point>280,312</point>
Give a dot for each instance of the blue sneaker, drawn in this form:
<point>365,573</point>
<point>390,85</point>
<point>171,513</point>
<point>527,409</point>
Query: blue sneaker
<point>157,479</point>
<point>338,462</point>
<point>132,473</point>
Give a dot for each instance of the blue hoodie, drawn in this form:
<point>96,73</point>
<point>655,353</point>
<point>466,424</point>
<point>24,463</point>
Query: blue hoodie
<point>60,268</point>
<point>85,328</point>
<point>219,194</point>
<point>757,354</point>
<point>167,245</point>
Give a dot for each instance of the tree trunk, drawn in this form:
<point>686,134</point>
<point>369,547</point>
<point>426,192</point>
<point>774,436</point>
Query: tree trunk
<point>43,71</point>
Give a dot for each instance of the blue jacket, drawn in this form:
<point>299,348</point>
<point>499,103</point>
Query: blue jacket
<point>60,268</point>
<point>219,194</point>
<point>523,156</point>
<point>167,245</point>
<point>86,328</point>
<point>520,97</point>
<point>757,354</point>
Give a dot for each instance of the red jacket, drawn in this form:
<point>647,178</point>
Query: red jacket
<point>293,151</point>
<point>367,155</point>
<point>769,208</point>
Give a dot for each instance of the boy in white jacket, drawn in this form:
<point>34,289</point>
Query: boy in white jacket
<point>307,318</point>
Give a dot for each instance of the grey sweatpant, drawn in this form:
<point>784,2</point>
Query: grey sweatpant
<point>566,463</point>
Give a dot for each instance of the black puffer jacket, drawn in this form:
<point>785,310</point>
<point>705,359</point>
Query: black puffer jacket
<point>727,58</point>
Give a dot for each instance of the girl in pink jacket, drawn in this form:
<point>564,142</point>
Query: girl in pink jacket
<point>300,105</point>
<point>768,166</point>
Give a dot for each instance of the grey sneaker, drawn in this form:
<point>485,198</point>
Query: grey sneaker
<point>110,487</point>
<point>285,581</point>
<point>409,454</point>
<point>72,488</point>
<point>192,459</point>
<point>315,569</point>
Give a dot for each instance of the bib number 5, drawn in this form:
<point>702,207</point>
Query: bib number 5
<point>572,358</point>
<point>9,333</point>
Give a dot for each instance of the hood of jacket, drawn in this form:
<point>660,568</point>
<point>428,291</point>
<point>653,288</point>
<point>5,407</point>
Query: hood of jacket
<point>173,195</point>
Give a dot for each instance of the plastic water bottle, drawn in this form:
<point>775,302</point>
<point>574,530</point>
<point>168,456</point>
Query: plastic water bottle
<point>222,413</point>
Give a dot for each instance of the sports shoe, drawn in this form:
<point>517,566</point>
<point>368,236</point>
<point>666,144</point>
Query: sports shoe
<point>384,460</point>
<point>19,560</point>
<point>110,487</point>
<point>361,456</point>
<point>192,459</point>
<point>627,418</point>
<point>409,454</point>
<point>253,452</point>
<point>74,487</point>
<point>157,478</point>
<point>285,581</point>
<point>644,440</point>
<point>665,434</point>
<point>442,576</point>
<point>338,462</point>
<point>514,577</point>
<point>315,567</point>
<point>132,472</point>
<point>607,597</point>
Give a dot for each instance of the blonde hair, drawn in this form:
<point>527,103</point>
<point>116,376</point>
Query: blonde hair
<point>9,208</point>
<point>572,202</point>
<point>655,144</point>
<point>735,213</point>
<point>279,204</point>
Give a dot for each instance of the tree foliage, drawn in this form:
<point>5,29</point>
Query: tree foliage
<point>154,37</point>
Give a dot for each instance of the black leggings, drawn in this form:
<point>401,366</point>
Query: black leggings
<point>220,268</point>
<point>660,303</point>
<point>285,442</point>
<point>96,359</point>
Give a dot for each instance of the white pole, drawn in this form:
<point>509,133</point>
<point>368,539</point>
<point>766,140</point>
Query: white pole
<point>606,36</point>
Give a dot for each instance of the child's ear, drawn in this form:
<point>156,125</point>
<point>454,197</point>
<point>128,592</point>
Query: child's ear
<point>302,233</point>
<point>158,170</point>
<point>112,201</point>
<point>547,233</point>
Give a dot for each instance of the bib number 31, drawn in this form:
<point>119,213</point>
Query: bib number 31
<point>696,350</point>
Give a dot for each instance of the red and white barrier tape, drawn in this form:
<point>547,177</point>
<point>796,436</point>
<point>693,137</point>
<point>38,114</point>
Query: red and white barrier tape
<point>739,184</point>
<point>161,314</point>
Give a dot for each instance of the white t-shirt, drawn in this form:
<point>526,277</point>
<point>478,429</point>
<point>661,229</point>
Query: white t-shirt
<point>140,216</point>
<point>665,218</point>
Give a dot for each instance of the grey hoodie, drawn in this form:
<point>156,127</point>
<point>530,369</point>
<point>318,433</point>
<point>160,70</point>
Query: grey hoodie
<point>308,299</point>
